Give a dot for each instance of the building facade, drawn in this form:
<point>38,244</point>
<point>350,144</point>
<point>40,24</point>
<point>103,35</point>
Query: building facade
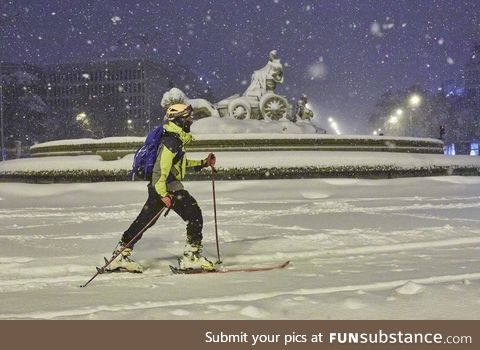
<point>22,104</point>
<point>472,75</point>
<point>116,97</point>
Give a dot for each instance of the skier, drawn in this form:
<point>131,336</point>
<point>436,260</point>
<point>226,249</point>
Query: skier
<point>166,190</point>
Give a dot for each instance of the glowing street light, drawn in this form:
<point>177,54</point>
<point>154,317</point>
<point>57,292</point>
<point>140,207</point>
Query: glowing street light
<point>399,111</point>
<point>414,100</point>
<point>83,119</point>
<point>393,119</point>
<point>334,125</point>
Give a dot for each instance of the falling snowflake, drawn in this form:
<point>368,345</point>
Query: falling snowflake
<point>387,26</point>
<point>450,60</point>
<point>115,19</point>
<point>317,70</point>
<point>440,41</point>
<point>376,29</point>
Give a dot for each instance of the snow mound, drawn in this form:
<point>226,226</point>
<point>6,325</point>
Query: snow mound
<point>410,288</point>
<point>315,195</point>
<point>353,304</point>
<point>341,182</point>
<point>253,312</point>
<point>460,180</point>
<point>224,308</point>
<point>180,312</point>
<point>234,126</point>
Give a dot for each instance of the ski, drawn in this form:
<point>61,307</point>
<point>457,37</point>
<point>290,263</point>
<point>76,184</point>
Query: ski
<point>177,271</point>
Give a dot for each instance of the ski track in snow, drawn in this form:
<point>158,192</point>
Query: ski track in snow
<point>336,233</point>
<point>407,287</point>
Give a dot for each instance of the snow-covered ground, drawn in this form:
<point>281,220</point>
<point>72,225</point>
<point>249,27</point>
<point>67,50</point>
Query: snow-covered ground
<point>383,249</point>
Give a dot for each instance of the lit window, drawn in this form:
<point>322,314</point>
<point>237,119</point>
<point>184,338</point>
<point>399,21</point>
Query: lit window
<point>474,149</point>
<point>449,150</point>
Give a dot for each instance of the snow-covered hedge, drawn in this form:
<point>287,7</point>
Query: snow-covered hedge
<point>251,165</point>
<point>115,148</point>
<point>354,171</point>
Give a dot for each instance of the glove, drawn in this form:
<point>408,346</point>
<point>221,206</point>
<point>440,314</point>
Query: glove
<point>210,160</point>
<point>167,200</point>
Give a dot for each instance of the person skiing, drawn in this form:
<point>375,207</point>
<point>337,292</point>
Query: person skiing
<point>166,190</point>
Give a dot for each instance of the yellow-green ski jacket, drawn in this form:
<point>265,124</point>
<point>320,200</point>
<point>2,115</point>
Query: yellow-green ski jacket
<point>170,166</point>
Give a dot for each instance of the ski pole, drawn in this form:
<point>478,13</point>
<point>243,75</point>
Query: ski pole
<point>101,270</point>
<point>215,214</point>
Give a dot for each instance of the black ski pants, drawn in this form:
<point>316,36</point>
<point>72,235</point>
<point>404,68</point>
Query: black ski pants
<point>183,204</point>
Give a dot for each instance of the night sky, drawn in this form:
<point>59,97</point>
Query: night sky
<point>342,54</point>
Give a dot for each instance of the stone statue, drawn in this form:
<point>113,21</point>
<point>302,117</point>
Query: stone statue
<point>302,112</point>
<point>265,79</point>
<point>259,101</point>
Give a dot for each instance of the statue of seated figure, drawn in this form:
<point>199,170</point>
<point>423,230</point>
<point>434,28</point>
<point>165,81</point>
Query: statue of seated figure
<point>265,79</point>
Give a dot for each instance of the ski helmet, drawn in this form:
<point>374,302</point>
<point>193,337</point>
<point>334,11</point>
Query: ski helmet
<point>181,115</point>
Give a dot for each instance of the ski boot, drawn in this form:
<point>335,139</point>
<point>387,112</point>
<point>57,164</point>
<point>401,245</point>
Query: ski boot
<point>123,262</point>
<point>193,260</point>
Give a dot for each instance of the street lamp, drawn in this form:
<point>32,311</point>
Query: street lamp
<point>83,119</point>
<point>334,125</point>
<point>414,100</point>
<point>393,119</point>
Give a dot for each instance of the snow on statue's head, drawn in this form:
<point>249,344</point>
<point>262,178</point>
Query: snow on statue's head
<point>272,55</point>
<point>173,96</point>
